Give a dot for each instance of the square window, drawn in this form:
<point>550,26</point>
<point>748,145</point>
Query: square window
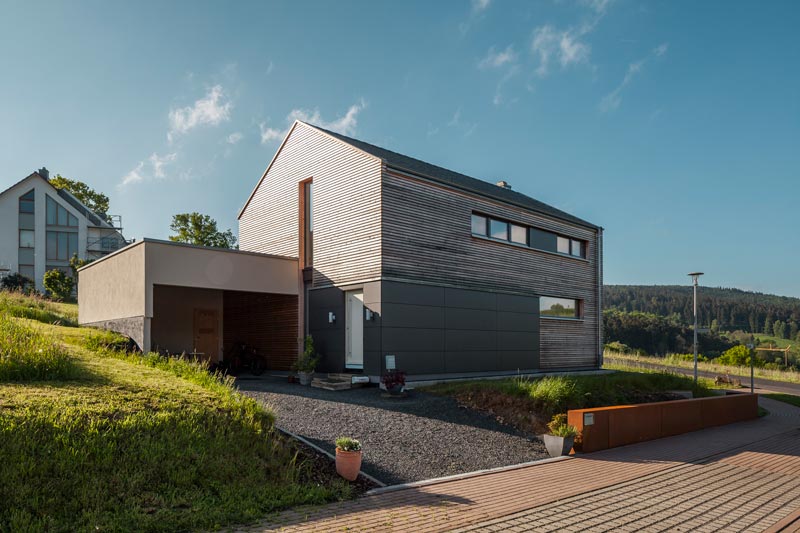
<point>577,248</point>
<point>519,234</point>
<point>563,245</point>
<point>478,225</point>
<point>52,245</point>
<point>26,206</point>
<point>62,216</point>
<point>26,238</point>
<point>62,246</point>
<point>73,222</point>
<point>498,230</point>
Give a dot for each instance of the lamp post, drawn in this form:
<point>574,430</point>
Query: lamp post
<point>695,276</point>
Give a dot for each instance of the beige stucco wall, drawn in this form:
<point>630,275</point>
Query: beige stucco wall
<point>114,287</point>
<point>172,326</point>
<point>188,266</point>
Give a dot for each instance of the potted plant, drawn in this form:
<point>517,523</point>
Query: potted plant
<point>348,458</point>
<point>394,381</point>
<point>306,364</point>
<point>560,439</point>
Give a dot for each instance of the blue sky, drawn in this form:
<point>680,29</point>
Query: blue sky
<point>673,124</point>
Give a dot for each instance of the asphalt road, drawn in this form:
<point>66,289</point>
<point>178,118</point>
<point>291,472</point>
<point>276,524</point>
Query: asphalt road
<point>761,385</point>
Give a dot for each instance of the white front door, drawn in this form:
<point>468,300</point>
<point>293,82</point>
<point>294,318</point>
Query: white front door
<point>354,350</point>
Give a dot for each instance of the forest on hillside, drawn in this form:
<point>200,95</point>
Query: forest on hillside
<point>720,309</point>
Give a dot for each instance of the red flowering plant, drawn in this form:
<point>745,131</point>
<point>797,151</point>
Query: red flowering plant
<point>394,380</point>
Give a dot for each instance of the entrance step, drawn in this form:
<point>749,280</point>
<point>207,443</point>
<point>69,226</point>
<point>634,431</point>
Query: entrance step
<point>331,384</point>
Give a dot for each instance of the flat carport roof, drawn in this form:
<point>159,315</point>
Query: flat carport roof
<point>116,292</point>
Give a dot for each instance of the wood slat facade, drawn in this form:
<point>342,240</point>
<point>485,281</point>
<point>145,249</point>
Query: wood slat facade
<point>373,223</point>
<point>347,207</point>
<point>427,237</point>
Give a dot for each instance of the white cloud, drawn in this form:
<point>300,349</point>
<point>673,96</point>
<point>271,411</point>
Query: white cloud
<point>480,5</point>
<point>234,137</point>
<point>213,109</point>
<point>270,68</point>
<point>612,100</point>
<point>456,120</point>
<point>495,59</point>
<point>153,168</point>
<point>134,176</point>
<point>565,46</point>
<point>158,162</point>
<point>599,6</point>
<point>269,134</point>
<point>499,98</point>
<point>346,125</point>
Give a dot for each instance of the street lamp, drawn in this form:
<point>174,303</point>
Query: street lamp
<point>695,276</point>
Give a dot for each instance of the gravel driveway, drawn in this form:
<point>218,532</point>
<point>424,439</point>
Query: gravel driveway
<point>419,437</point>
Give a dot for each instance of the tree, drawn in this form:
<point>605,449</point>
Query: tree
<point>779,329</point>
<point>17,282</point>
<point>58,284</point>
<point>96,201</point>
<point>737,356</point>
<point>793,330</point>
<point>75,263</point>
<point>768,325</point>
<point>194,228</point>
<point>714,326</point>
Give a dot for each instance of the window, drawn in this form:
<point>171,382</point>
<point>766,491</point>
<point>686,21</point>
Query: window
<point>26,238</point>
<point>26,202</point>
<point>498,229</point>
<point>57,215</point>
<point>307,200</point>
<point>562,245</point>
<point>519,234</point>
<point>531,237</point>
<point>61,245</point>
<point>478,225</point>
<point>27,271</point>
<point>559,307</point>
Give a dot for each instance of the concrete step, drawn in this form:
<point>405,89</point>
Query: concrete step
<point>341,376</point>
<point>330,384</point>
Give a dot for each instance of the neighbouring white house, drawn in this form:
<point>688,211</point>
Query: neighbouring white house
<point>42,227</point>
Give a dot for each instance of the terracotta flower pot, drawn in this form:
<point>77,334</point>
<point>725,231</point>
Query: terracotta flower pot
<point>348,464</point>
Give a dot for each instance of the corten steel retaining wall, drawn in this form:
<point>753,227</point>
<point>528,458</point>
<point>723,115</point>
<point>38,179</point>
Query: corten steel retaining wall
<point>628,424</point>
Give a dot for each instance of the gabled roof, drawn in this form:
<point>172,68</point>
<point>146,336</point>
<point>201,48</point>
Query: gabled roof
<point>76,204</point>
<point>422,169</point>
<point>455,179</point>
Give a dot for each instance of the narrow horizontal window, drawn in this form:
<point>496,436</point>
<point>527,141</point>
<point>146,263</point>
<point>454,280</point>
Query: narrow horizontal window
<point>559,307</point>
<point>519,234</point>
<point>478,225</point>
<point>498,229</point>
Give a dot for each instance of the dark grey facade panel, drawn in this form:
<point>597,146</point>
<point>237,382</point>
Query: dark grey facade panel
<point>470,299</point>
<point>396,292</point>
<point>431,330</point>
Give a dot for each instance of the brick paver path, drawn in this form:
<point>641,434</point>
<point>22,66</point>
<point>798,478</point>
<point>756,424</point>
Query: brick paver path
<point>741,477</point>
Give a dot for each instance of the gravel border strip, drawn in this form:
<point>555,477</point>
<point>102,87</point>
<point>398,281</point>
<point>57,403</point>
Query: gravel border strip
<point>435,481</point>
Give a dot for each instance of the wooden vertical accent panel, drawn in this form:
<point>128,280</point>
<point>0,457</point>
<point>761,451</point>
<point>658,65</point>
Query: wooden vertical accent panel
<point>266,321</point>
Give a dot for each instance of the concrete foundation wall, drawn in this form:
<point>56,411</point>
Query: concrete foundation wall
<point>135,327</point>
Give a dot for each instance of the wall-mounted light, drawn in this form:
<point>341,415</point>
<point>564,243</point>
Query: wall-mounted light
<point>331,317</point>
<point>368,314</point>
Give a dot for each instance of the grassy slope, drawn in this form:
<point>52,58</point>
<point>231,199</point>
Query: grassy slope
<point>789,376</point>
<point>129,445</point>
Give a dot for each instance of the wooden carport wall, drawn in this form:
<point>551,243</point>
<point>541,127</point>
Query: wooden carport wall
<point>120,286</point>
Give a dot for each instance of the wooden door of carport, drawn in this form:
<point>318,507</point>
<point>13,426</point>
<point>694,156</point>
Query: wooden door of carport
<point>206,334</point>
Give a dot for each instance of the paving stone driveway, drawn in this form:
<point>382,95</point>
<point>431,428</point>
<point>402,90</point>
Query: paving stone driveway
<point>741,477</point>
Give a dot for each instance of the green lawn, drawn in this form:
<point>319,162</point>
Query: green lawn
<point>786,398</point>
<point>116,442</point>
<point>530,403</point>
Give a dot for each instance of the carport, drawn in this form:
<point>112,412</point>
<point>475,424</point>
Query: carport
<point>179,298</point>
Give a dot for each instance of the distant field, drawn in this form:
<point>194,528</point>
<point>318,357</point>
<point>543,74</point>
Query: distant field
<point>618,359</point>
